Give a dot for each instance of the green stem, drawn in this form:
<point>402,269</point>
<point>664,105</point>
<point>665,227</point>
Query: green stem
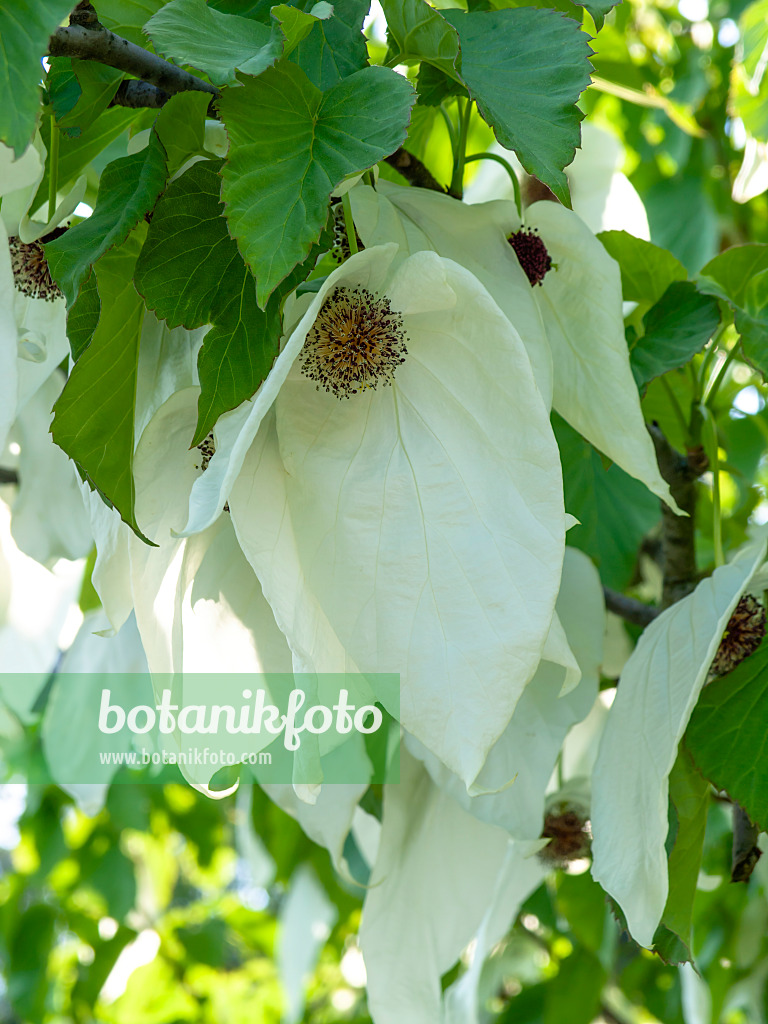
<point>465,116</point>
<point>714,465</point>
<point>676,407</point>
<point>53,169</point>
<point>451,129</point>
<point>370,179</point>
<point>712,393</point>
<point>706,362</point>
<point>349,224</point>
<point>394,61</point>
<point>507,167</point>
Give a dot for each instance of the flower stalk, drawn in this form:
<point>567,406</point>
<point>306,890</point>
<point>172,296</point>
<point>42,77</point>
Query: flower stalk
<point>53,169</point>
<point>349,225</point>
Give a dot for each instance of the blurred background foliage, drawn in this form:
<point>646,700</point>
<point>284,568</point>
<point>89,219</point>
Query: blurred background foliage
<point>167,907</point>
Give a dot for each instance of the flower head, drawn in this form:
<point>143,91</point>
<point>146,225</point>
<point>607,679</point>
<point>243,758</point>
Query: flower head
<point>743,635</point>
<point>531,254</point>
<point>396,487</point>
<point>356,342</point>
<point>572,326</point>
<point>602,196</point>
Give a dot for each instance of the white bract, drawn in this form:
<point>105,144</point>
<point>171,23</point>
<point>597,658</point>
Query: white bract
<point>167,364</point>
<point>304,924</point>
<point>656,694</point>
<point>581,359</point>
<point>75,692</point>
<point>416,528</point>
<point>33,337</point>
<point>510,790</point>
<point>441,875</point>
<point>35,607</point>
<point>48,518</point>
<point>752,179</point>
<point>520,874</point>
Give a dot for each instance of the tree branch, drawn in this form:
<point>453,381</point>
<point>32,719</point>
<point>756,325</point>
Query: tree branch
<point>413,170</point>
<point>678,532</point>
<point>101,45</point>
<point>134,93</point>
<point>628,608</point>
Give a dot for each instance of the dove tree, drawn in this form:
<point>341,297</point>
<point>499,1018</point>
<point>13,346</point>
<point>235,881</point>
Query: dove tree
<point>403,341</point>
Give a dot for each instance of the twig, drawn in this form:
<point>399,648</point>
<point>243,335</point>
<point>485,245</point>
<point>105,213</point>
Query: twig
<point>8,476</point>
<point>413,170</point>
<point>628,608</point>
<point>101,45</point>
<point>134,93</point>
<point>678,532</point>
<point>745,853</point>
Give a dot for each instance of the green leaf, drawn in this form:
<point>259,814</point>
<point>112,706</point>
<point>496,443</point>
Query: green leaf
<point>126,18</point>
<point>728,275</point>
<point>739,276</point>
<point>683,218</point>
<point>433,86</point>
<point>582,902</point>
<point>421,33</point>
<point>290,146</point>
<point>335,48</point>
<point>526,68</point>
<point>129,189</point>
<point>646,270</point>
<point>614,510</point>
<point>94,415</point>
<point>191,32</point>
<point>29,947</point>
<point>754,341</point>
<point>258,9</point>
<point>236,356</point>
<point>689,794</point>
<point>83,317</point>
<point>749,85</point>
<point>98,84</point>
<point>25,27</point>
<point>76,153</point>
<point>670,947</point>
<point>191,274</point>
<point>727,734</point>
<point>180,126</point>
<point>676,328</point>
<point>658,405</point>
<point>752,321</point>
<point>598,9</point>
<point>63,87</point>
<point>578,990</point>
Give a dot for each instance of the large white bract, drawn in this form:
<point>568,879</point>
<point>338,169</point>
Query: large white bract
<point>657,692</point>
<point>413,527</point>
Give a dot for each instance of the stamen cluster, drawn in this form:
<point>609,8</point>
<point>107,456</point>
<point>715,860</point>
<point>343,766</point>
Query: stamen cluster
<point>569,835</point>
<point>532,254</point>
<point>356,342</point>
<point>207,449</point>
<point>30,270</point>
<point>743,635</point>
